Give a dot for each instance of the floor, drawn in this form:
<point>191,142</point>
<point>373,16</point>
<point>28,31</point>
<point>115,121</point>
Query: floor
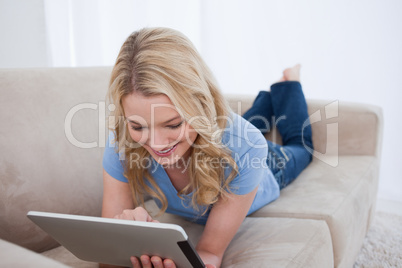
<point>389,206</point>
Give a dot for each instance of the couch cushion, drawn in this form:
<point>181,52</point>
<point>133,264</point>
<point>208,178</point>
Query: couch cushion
<point>358,126</point>
<point>280,242</point>
<point>12,255</point>
<point>61,254</point>
<point>343,196</point>
<point>260,242</point>
<point>40,167</point>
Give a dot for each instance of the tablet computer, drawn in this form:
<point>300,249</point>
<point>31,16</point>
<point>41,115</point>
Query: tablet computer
<point>114,241</point>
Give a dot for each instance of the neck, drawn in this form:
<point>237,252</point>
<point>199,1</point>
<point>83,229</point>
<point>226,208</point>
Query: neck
<point>182,164</point>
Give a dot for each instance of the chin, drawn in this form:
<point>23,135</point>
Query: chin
<point>170,160</point>
<point>166,163</point>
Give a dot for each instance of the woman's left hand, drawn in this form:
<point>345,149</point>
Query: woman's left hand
<point>154,261</point>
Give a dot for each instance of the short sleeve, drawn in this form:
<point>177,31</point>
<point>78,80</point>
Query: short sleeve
<point>252,166</point>
<point>111,160</point>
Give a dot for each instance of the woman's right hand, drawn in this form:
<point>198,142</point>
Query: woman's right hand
<point>148,262</point>
<point>137,214</point>
<point>140,214</point>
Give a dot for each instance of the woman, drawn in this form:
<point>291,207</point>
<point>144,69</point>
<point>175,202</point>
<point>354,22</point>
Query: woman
<point>174,138</point>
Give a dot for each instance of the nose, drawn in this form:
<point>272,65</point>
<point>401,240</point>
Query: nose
<point>159,140</point>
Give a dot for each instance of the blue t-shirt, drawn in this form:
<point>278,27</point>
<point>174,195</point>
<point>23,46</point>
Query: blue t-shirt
<point>249,150</point>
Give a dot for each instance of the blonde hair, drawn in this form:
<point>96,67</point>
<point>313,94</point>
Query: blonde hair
<point>154,61</point>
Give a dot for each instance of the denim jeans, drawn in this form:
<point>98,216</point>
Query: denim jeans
<point>284,106</point>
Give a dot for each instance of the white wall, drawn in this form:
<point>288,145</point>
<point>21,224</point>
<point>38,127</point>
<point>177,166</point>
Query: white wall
<point>22,34</point>
<point>91,32</point>
<point>349,50</point>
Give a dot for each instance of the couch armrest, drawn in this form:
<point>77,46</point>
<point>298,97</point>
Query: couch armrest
<point>339,127</point>
<point>354,128</point>
<point>12,255</point>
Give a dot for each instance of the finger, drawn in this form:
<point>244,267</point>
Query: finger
<point>140,214</point>
<point>140,217</point>
<point>169,263</point>
<point>157,262</point>
<point>135,262</point>
<point>156,221</point>
<point>146,262</point>
<point>128,214</point>
<point>149,218</point>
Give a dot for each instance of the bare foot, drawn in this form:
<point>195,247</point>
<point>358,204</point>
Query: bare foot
<point>291,74</point>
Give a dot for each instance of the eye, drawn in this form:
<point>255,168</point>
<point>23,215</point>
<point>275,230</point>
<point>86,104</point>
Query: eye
<point>137,128</point>
<point>176,126</point>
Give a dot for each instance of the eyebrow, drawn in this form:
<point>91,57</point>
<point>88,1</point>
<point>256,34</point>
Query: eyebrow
<point>168,121</point>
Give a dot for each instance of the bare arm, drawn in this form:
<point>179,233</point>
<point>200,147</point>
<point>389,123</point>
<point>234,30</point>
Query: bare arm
<point>116,196</point>
<point>117,203</point>
<point>223,222</point>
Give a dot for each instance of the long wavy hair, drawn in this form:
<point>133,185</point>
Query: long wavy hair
<point>155,61</point>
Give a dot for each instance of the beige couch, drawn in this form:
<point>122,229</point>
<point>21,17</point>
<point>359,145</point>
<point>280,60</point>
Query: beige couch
<point>48,115</point>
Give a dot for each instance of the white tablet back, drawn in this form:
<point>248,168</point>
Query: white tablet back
<point>113,241</point>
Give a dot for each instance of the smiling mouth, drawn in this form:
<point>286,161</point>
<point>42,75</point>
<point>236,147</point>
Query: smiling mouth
<point>165,152</point>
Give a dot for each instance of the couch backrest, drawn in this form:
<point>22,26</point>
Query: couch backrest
<point>49,115</point>
<point>339,127</point>
<point>41,169</point>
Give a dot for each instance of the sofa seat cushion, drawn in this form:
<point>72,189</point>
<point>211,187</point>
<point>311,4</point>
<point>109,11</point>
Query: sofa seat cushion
<point>12,255</point>
<point>260,242</point>
<point>343,196</point>
<point>280,242</point>
<point>62,255</point>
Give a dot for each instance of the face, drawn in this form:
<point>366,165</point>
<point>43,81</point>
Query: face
<point>155,123</point>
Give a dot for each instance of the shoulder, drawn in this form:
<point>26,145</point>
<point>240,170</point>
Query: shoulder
<point>113,160</point>
<point>249,150</point>
<point>241,136</point>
